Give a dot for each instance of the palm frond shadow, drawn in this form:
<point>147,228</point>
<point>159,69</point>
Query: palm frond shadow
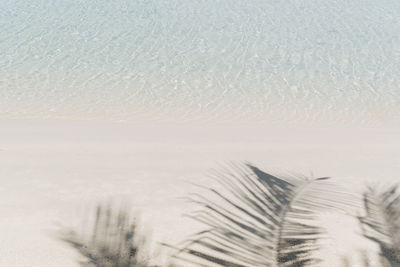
<point>253,219</point>
<point>261,220</point>
<point>112,240</point>
<point>381,223</point>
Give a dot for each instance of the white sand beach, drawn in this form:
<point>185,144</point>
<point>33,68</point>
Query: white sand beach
<point>137,101</point>
<point>53,170</point>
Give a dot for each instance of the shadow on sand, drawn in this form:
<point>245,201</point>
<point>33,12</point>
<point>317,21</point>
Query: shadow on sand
<point>113,240</point>
<point>256,219</point>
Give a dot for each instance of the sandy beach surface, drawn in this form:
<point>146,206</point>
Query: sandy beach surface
<point>52,171</point>
<point>136,102</point>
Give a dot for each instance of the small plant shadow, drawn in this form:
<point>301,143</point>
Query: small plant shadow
<point>381,224</point>
<point>112,241</point>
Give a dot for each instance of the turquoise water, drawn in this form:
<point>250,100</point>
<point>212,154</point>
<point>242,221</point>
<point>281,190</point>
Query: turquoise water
<point>192,59</point>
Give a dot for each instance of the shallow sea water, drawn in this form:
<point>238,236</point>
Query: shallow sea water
<point>296,60</point>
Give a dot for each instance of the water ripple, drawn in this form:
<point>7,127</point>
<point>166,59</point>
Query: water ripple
<point>265,60</point>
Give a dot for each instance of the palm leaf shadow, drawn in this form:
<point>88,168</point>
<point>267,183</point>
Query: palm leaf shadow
<point>261,220</point>
<point>382,222</point>
<point>112,241</point>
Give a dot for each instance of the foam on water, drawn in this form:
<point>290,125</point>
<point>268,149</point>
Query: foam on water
<point>191,59</point>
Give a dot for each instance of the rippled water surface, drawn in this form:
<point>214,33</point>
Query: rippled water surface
<point>196,59</point>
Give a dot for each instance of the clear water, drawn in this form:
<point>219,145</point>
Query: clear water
<point>294,60</point>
